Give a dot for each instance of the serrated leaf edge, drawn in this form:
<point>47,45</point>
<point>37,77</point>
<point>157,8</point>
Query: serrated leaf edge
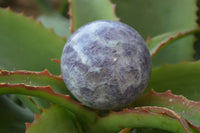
<point>85,115</point>
<point>179,98</point>
<point>24,72</point>
<point>71,12</point>
<point>172,39</point>
<point>33,19</point>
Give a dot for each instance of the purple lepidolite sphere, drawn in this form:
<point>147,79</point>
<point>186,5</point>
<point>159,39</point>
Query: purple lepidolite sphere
<point>106,64</point>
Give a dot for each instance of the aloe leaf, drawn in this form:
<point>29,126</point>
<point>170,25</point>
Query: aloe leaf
<point>153,117</point>
<point>60,24</point>
<point>13,117</point>
<point>52,120</point>
<point>83,114</point>
<point>29,103</point>
<point>155,17</point>
<point>43,78</point>
<point>32,78</point>
<point>188,109</point>
<point>27,45</point>
<point>155,44</point>
<point>182,79</point>
<point>84,11</point>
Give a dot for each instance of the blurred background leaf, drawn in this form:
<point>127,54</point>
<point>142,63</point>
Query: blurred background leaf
<point>154,17</point>
<point>13,117</point>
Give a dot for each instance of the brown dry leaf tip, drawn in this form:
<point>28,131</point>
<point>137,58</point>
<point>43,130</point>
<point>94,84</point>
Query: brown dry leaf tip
<point>23,72</point>
<point>56,61</point>
<point>71,16</point>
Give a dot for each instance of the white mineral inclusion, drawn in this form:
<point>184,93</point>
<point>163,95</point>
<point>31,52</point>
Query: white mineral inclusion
<point>106,64</point>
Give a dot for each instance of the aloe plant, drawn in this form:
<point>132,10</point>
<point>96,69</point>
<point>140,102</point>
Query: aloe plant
<point>34,98</point>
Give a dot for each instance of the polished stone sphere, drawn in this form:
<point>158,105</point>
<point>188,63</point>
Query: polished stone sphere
<point>106,64</point>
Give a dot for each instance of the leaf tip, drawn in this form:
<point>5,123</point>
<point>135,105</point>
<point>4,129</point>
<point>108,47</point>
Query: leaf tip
<point>114,6</point>
<point>56,61</point>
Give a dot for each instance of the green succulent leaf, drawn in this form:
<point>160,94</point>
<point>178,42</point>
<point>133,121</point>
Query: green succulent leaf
<point>27,45</point>
<point>182,79</point>
<point>155,44</point>
<point>53,120</point>
<point>33,78</point>
<point>85,11</point>
<point>153,117</point>
<point>30,103</point>
<point>43,78</point>
<point>188,109</point>
<point>13,117</point>
<point>60,24</point>
<point>83,114</point>
<point>155,17</point>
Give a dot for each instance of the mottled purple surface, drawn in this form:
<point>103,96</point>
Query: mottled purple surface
<point>106,64</point>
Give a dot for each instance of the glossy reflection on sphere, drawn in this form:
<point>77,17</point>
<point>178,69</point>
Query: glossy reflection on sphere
<point>106,64</point>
